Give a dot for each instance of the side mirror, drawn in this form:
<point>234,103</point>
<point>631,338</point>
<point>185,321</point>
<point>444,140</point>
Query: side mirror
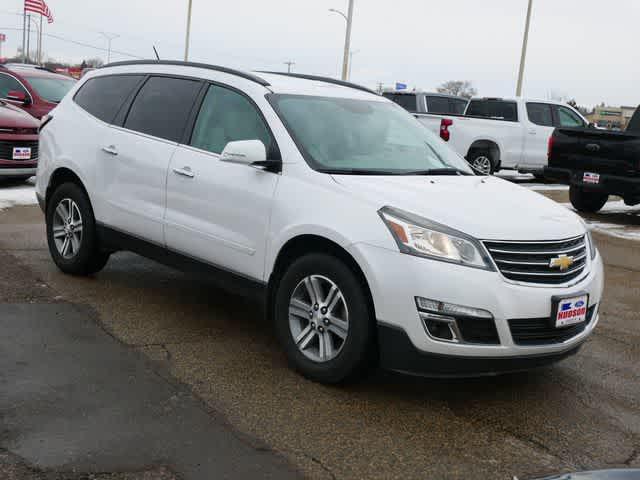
<point>18,96</point>
<point>249,152</point>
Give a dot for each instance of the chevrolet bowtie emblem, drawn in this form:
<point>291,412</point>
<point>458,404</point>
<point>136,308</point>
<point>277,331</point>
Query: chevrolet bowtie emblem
<point>563,262</point>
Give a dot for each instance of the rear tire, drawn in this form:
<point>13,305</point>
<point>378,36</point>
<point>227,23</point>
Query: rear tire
<point>482,162</point>
<point>346,328</point>
<point>586,201</point>
<point>71,232</point>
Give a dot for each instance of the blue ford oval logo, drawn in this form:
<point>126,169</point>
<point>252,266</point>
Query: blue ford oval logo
<point>579,304</point>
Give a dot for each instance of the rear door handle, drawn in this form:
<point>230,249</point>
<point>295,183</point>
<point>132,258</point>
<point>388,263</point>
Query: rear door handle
<point>184,171</point>
<point>111,150</point>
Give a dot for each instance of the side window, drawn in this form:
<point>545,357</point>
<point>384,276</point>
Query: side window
<point>458,106</point>
<point>567,118</point>
<point>227,116</point>
<point>497,109</point>
<point>102,97</point>
<point>540,114</point>
<point>406,100</point>
<point>162,107</point>
<point>438,105</point>
<point>7,84</point>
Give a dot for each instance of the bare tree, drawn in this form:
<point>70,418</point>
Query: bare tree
<point>93,62</point>
<point>460,88</point>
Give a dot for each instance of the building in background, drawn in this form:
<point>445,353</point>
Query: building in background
<point>627,113</point>
<point>611,118</point>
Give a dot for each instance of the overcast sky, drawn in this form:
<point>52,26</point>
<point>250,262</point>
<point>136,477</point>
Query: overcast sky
<point>587,49</point>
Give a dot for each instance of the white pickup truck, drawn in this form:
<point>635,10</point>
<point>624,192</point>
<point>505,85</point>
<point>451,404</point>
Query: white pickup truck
<point>497,133</point>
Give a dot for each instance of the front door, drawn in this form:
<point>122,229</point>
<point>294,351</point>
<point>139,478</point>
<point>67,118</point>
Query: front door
<point>219,212</point>
<point>538,128</point>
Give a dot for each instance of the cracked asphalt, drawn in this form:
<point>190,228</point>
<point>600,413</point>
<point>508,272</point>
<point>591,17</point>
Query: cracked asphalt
<point>583,413</point>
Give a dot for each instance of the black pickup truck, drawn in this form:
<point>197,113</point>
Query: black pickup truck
<point>596,164</point>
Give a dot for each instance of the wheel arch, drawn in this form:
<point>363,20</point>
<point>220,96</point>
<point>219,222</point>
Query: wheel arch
<point>303,244</point>
<point>63,175</point>
<point>485,144</point>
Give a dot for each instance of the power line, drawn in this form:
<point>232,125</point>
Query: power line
<point>82,44</point>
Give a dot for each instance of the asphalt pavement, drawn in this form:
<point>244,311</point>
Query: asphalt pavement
<point>583,413</point>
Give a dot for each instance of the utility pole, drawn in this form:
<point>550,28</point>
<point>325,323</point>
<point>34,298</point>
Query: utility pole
<point>109,37</point>
<point>351,54</point>
<point>525,40</point>
<point>289,64</point>
<point>188,35</point>
<point>24,32</point>
<point>29,37</point>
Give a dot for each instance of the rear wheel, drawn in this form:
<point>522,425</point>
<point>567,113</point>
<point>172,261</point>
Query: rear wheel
<point>323,320</point>
<point>586,201</point>
<point>71,232</point>
<point>482,162</point>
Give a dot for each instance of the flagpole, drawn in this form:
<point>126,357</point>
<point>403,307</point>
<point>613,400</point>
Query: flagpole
<point>40,42</point>
<point>28,36</point>
<point>24,31</point>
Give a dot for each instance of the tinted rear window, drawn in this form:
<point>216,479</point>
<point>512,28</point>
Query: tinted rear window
<point>162,107</point>
<point>407,101</point>
<point>498,109</point>
<point>438,105</point>
<point>102,97</point>
<point>458,105</point>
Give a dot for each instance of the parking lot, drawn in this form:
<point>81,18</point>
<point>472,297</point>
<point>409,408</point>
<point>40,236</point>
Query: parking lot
<point>214,350</point>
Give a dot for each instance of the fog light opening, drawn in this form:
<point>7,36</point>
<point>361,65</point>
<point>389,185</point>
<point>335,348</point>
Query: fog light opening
<point>441,328</point>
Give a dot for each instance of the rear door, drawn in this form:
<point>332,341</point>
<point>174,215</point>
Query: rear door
<point>219,212</point>
<point>136,152</point>
<point>538,127</point>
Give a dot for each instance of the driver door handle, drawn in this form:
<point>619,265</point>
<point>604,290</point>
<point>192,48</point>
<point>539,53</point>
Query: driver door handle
<point>111,150</point>
<point>184,171</point>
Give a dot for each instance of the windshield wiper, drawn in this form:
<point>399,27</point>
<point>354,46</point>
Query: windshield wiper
<point>439,171</point>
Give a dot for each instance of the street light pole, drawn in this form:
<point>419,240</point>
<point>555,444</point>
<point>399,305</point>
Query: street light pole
<point>525,40</point>
<point>109,37</point>
<point>289,64</point>
<point>347,41</point>
<point>187,39</point>
<point>351,54</point>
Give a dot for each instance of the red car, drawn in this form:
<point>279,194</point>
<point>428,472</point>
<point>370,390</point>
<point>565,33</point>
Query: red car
<point>18,143</point>
<point>34,89</point>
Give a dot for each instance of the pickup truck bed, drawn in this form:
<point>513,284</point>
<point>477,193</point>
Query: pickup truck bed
<point>596,164</point>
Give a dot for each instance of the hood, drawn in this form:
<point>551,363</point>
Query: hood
<point>484,207</point>
<point>13,117</point>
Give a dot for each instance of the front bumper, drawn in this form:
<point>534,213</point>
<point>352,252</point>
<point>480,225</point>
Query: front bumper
<point>395,280</point>
<point>17,172</point>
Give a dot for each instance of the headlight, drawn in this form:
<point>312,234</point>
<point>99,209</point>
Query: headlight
<point>423,238</point>
<point>592,245</point>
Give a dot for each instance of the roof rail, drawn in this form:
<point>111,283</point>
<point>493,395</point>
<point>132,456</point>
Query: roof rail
<point>237,73</point>
<point>323,79</point>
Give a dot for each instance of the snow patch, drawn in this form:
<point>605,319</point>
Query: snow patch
<point>626,231</point>
<point>23,194</point>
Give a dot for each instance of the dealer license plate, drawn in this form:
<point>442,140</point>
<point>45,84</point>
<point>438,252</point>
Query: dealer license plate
<point>22,153</point>
<point>571,310</point>
<point>588,177</point>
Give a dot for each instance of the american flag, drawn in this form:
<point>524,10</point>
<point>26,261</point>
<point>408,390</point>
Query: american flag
<point>38,6</point>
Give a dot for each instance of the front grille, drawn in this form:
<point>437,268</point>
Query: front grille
<point>6,149</point>
<point>478,330</point>
<point>541,331</point>
<point>530,262</point>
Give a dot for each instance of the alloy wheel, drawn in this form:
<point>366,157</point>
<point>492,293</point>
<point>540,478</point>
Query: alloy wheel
<point>482,164</point>
<point>318,318</point>
<point>67,228</point>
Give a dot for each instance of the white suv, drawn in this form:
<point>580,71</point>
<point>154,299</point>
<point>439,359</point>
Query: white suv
<point>367,238</point>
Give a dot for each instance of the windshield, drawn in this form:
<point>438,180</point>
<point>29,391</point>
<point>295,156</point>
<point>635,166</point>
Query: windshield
<point>363,136</point>
<point>51,89</point>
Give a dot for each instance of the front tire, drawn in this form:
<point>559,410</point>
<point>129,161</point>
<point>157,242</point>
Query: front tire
<point>71,232</point>
<point>323,320</point>
<point>586,201</point>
